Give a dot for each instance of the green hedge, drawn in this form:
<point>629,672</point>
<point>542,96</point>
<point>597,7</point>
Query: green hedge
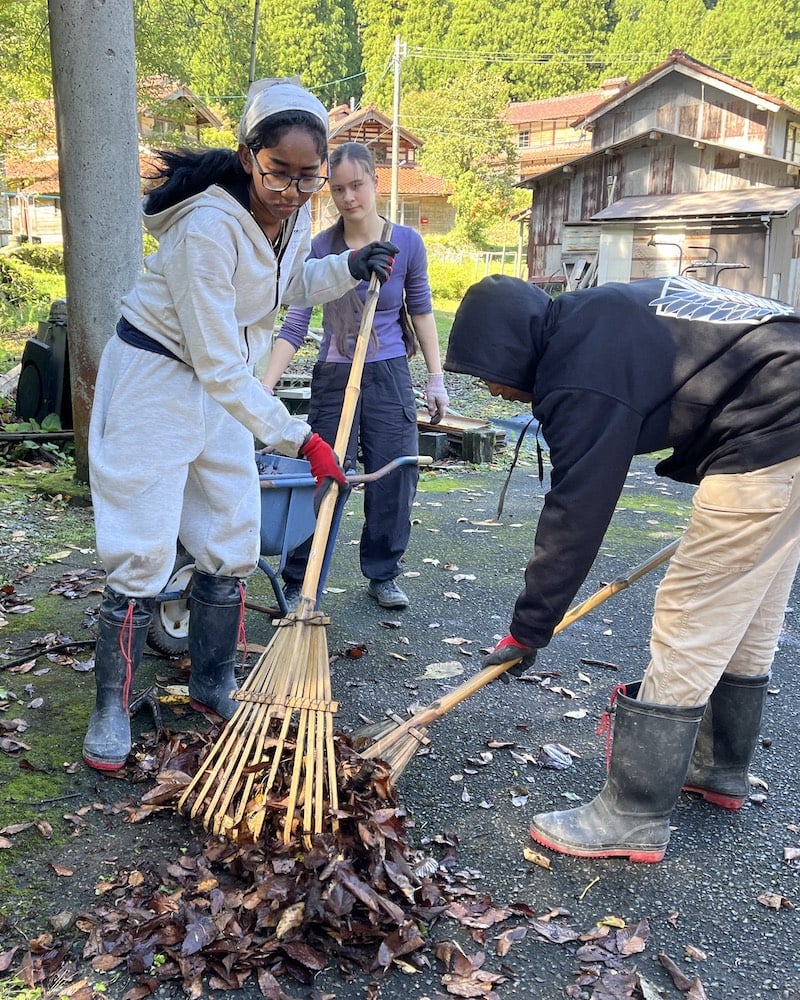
<point>42,257</point>
<point>18,285</point>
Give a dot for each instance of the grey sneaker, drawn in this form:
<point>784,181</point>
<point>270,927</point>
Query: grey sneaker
<point>387,594</point>
<point>292,592</point>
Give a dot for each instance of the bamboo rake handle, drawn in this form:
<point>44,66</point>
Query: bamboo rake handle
<point>352,392</point>
<point>447,702</point>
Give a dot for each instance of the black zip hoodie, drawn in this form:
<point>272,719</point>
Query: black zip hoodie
<point>623,370</point>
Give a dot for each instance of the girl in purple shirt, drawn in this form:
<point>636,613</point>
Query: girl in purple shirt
<point>385,425</point>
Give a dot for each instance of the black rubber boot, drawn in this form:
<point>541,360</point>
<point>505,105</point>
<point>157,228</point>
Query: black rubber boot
<point>727,740</point>
<point>216,609</point>
<point>121,633</point>
<point>630,817</point>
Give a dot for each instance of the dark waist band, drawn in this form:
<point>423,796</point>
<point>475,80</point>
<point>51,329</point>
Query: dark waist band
<point>134,336</point>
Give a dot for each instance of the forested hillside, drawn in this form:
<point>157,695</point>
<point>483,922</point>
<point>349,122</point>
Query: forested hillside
<point>343,49</point>
<point>461,62</point>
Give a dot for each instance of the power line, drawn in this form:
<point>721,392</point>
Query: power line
<point>594,56</point>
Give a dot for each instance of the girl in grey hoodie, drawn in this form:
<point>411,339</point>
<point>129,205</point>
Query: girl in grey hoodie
<point>234,231</point>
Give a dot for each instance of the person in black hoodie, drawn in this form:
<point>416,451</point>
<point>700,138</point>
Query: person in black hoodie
<point>621,370</point>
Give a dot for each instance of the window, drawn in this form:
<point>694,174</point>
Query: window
<point>524,139</point>
<point>792,142</point>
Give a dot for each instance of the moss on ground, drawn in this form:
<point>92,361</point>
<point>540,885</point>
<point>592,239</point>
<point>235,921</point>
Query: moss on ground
<point>42,480</point>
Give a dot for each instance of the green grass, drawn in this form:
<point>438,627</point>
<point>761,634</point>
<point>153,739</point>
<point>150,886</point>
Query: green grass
<point>19,323</point>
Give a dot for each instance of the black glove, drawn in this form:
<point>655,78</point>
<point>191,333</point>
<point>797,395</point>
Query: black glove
<point>377,258</point>
<point>508,650</point>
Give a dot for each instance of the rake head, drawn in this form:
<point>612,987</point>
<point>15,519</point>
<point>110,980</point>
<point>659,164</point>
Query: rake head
<point>391,740</point>
<point>276,755</point>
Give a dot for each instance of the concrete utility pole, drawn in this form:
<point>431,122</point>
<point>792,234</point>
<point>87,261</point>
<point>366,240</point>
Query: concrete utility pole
<point>94,84</point>
<point>399,53</point>
<point>254,42</point>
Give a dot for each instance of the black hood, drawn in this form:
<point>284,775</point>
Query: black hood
<point>497,332</point>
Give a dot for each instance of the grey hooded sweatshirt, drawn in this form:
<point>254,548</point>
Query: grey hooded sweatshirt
<point>210,295</point>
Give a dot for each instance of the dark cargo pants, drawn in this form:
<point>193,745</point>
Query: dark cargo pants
<point>384,428</point>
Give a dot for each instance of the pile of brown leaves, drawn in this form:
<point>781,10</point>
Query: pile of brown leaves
<point>225,913</point>
<point>363,901</point>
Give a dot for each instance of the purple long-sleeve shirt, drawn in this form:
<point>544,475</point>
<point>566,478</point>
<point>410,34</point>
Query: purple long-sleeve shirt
<point>410,273</point>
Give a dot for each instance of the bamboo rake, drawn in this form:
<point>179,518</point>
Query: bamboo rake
<point>286,702</point>
<point>398,742</point>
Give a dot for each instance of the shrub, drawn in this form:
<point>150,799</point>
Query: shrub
<point>450,279</point>
<point>18,283</point>
<point>42,257</point>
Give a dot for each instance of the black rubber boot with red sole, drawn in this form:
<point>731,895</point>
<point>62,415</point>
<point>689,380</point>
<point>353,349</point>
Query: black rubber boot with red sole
<point>121,633</point>
<point>216,610</point>
<point>727,740</point>
<point>630,817</point>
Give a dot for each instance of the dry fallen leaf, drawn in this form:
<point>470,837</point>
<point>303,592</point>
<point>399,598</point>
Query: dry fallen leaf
<point>438,671</point>
<point>512,936</point>
<point>578,713</point>
<point>775,901</point>
<point>697,954</point>
<point>536,858</point>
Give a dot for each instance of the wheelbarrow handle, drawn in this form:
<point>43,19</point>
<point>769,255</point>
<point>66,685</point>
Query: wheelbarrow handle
<point>355,479</point>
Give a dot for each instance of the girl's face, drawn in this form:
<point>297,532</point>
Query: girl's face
<point>353,190</point>
<point>294,156</point>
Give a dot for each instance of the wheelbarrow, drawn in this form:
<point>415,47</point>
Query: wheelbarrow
<point>287,520</point>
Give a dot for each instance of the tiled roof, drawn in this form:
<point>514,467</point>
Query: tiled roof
<point>411,181</point>
<point>569,106</point>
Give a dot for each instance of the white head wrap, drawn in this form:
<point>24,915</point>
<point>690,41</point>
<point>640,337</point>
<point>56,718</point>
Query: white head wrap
<point>267,97</point>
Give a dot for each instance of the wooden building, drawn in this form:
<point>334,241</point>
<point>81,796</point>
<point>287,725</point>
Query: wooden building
<point>422,198</point>
<point>170,112</point>
<point>690,170</point>
<point>545,131</point>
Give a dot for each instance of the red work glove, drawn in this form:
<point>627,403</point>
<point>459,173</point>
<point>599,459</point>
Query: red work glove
<point>508,650</point>
<point>375,258</point>
<point>325,466</point>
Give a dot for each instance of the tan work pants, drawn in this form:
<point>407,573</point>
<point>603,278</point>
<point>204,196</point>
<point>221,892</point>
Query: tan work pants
<point>721,604</point>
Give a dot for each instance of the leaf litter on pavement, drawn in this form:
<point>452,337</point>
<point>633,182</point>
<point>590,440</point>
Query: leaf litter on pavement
<point>364,901</point>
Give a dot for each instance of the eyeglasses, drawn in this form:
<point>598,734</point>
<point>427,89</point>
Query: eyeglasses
<point>273,181</point>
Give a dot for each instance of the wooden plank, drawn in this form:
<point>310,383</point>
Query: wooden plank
<point>8,382</point>
<point>454,426</point>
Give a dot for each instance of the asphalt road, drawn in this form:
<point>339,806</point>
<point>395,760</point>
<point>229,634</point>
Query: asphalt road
<point>463,570</point>
<point>704,895</point>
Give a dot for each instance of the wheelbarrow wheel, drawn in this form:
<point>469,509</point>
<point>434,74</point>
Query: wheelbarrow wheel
<point>169,629</point>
